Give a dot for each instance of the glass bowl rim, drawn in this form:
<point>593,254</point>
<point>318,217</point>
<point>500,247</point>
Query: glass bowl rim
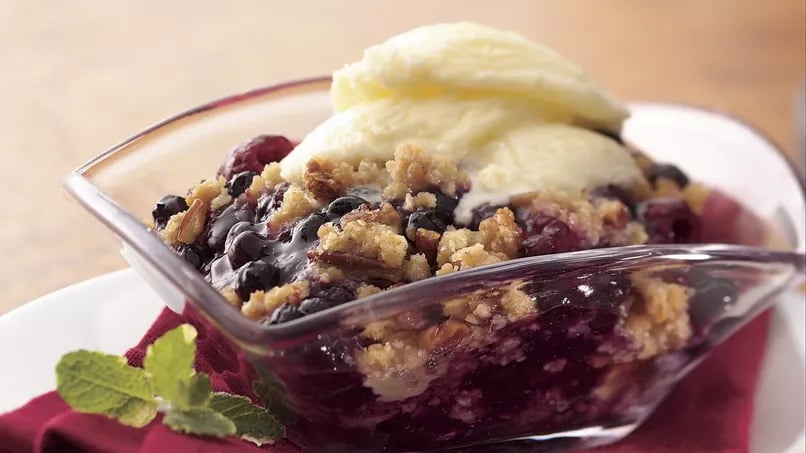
<point>246,331</point>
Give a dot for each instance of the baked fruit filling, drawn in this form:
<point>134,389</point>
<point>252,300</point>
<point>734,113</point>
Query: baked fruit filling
<point>280,251</point>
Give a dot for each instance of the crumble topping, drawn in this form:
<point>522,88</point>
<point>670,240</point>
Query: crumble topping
<point>385,215</point>
<point>169,232</point>
<point>469,257</point>
<point>367,246</point>
<point>184,227</point>
<point>407,340</point>
<point>295,206</point>
<point>263,303</point>
<point>269,178</point>
<point>413,171</point>
<point>509,302</point>
<point>232,297</point>
<point>396,370</point>
<point>421,200</point>
<point>416,268</point>
<point>325,180</point>
<point>598,221</point>
<point>366,290</point>
<point>343,247</point>
<point>500,234</point>
<point>498,239</point>
<point>327,274</point>
<point>658,319</point>
<point>211,192</point>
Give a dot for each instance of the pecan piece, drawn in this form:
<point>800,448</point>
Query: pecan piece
<point>193,222</point>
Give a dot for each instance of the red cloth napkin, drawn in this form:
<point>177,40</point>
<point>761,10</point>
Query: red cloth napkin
<point>710,411</point>
<point>46,424</point>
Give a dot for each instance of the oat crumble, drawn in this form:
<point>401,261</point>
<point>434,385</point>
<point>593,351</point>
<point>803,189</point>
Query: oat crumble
<point>340,247</point>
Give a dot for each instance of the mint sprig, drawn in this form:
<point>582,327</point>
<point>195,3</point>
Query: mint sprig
<point>98,383</point>
<point>169,366</point>
<point>201,421</point>
<point>253,423</point>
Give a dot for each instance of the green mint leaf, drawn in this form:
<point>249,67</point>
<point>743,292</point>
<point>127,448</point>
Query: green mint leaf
<point>99,383</point>
<point>169,365</point>
<point>270,395</point>
<point>264,392</point>
<point>199,391</point>
<point>254,423</point>
<point>199,421</point>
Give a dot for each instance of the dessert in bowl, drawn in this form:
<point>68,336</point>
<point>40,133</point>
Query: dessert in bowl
<point>466,252</point>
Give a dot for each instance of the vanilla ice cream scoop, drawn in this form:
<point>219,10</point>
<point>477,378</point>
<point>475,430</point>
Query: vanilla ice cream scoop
<point>467,60</point>
<point>512,113</point>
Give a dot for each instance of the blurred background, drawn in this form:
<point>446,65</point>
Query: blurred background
<point>78,77</point>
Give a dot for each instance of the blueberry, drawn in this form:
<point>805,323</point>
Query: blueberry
<point>314,305</point>
<point>224,222</point>
<point>428,220</point>
<point>616,193</point>
<point>612,192</point>
<point>236,229</point>
<point>668,171</point>
<point>306,229</point>
<point>595,290</point>
<point>191,254</point>
<point>713,297</point>
<point>240,182</point>
<point>255,276</point>
<point>445,207</point>
<point>269,202</point>
<point>219,228</point>
<point>285,313</point>
<point>343,205</point>
<point>335,294</point>
<point>247,246</point>
<point>166,207</point>
<point>481,213</point>
<point>265,205</point>
<point>325,296</point>
<point>669,220</point>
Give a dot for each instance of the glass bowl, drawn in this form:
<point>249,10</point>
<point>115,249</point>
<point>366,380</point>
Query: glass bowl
<point>572,368</point>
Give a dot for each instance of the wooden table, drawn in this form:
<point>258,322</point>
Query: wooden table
<point>77,78</point>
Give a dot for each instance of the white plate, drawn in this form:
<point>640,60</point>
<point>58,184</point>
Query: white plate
<point>110,313</point>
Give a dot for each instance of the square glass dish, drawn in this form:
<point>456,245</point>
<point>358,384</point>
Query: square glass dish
<point>583,365</point>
